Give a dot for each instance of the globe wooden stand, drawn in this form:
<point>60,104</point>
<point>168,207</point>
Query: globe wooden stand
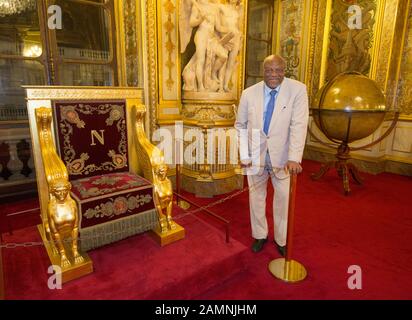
<point>343,167</point>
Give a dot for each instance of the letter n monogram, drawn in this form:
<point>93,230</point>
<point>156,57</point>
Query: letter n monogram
<point>98,136</point>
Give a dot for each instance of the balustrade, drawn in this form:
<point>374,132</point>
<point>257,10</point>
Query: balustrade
<point>16,160</point>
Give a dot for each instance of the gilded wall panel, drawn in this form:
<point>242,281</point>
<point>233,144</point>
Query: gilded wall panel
<point>405,85</point>
<point>131,40</point>
<point>350,49</point>
<point>397,49</point>
<point>168,59</point>
<point>314,64</point>
<point>291,35</point>
<point>386,34</point>
<point>151,45</point>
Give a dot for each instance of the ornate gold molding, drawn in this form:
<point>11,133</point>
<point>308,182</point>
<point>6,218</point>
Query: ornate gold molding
<point>319,37</point>
<point>168,64</point>
<point>403,92</point>
<point>151,36</point>
<point>81,93</point>
<point>242,50</point>
<point>120,41</point>
<point>385,46</point>
<point>207,112</point>
<point>170,46</point>
<point>311,46</point>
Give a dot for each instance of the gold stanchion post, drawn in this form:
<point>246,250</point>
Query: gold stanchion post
<point>287,269</point>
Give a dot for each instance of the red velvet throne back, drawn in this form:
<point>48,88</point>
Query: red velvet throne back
<point>92,141</point>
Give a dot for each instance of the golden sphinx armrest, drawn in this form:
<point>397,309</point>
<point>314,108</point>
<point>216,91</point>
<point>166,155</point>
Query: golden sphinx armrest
<point>60,221</point>
<point>154,169</point>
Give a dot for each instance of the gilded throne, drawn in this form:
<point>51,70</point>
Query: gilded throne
<point>100,179</point>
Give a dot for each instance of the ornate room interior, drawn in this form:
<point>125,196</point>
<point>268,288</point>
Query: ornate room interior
<point>150,60</point>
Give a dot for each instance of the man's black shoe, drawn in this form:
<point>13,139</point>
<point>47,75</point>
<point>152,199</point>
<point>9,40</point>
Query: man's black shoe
<point>258,244</point>
<point>281,250</point>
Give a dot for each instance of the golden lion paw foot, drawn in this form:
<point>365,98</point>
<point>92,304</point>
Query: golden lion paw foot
<point>65,262</point>
<point>171,225</point>
<point>54,251</point>
<point>163,226</point>
<point>78,258</point>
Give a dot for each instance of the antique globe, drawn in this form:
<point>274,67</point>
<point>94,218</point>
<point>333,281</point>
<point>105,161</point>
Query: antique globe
<point>349,107</point>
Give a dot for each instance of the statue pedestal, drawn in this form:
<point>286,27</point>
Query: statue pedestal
<point>209,188</point>
<point>168,237</point>
<point>67,273</point>
<point>208,96</point>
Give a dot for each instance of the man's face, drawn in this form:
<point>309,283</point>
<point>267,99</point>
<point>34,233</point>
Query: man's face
<point>273,73</point>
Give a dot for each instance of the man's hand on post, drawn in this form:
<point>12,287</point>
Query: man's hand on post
<point>293,167</point>
<point>247,163</point>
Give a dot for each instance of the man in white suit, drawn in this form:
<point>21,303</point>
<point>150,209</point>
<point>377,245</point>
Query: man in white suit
<point>272,123</point>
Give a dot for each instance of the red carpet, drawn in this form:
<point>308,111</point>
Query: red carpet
<point>135,268</point>
<point>17,214</point>
<point>371,228</point>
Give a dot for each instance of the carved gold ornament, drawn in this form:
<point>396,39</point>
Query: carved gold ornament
<point>208,112</point>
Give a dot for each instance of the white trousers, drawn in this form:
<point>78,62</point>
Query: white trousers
<point>257,203</point>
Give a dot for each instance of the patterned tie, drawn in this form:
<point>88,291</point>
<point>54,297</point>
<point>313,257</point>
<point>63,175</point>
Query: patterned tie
<point>269,111</point>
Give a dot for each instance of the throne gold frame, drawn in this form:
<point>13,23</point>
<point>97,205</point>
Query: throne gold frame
<point>145,160</point>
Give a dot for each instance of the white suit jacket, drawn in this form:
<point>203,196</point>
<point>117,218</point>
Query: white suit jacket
<point>288,127</point>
